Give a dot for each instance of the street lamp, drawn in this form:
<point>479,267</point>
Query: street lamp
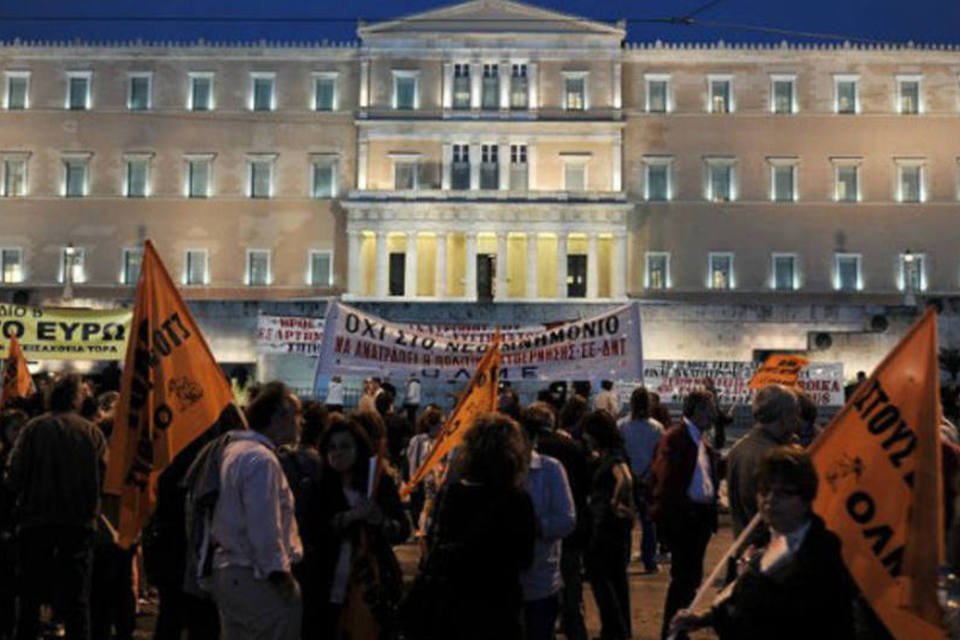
<point>69,259</point>
<point>909,267</point>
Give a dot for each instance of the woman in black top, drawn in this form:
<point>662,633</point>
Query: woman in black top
<point>612,512</point>
<point>482,538</point>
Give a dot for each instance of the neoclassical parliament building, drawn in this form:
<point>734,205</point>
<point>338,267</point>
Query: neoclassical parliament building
<point>493,161</point>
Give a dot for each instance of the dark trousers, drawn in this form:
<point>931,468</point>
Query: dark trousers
<point>181,611</point>
<point>113,604</point>
<point>687,535</point>
<point>571,598</point>
<point>411,410</point>
<point>607,571</point>
<point>648,531</point>
<point>56,559</point>
<point>540,617</point>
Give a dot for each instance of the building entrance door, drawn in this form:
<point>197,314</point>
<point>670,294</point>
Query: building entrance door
<point>486,276</point>
<point>576,276</point>
<point>398,272</point>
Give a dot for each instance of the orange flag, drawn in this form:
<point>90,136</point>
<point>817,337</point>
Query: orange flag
<point>172,391</point>
<point>479,397</point>
<point>880,485</point>
<point>17,382</point>
<point>779,369</point>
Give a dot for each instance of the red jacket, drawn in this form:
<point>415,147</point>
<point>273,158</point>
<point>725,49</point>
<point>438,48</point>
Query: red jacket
<point>672,472</point>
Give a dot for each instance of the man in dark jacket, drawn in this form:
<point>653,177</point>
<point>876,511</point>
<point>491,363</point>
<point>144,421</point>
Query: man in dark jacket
<point>54,473</point>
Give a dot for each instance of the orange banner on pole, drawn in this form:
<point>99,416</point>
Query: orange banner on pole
<point>880,489</point>
<point>17,382</point>
<point>779,369</point>
<point>172,390</point>
<point>479,397</point>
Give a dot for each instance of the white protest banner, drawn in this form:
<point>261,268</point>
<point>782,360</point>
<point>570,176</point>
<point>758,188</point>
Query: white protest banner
<point>604,346</point>
<point>673,379</point>
<point>288,334</point>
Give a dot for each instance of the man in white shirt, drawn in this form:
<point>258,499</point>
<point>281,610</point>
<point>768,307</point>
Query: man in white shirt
<point>607,400</point>
<point>411,399</point>
<point>254,527</point>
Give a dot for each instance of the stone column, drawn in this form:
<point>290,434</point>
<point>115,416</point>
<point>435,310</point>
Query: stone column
<point>504,72</point>
<point>532,264</point>
<point>533,95</point>
<point>531,165</point>
<point>592,266</point>
<point>562,264</point>
<point>440,271</point>
<point>618,266</point>
<point>362,151</point>
<point>474,167</point>
<point>501,292</point>
<point>364,84</point>
<point>354,272</point>
<point>476,84</point>
<point>470,272</point>
<point>503,157</point>
<point>381,272</point>
<point>447,86</point>
<point>616,166</point>
<point>410,266</point>
<point>446,167</point>
<point>616,83</point>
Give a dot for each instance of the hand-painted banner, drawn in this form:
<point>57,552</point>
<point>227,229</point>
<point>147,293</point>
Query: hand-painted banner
<point>673,379</point>
<point>604,346</point>
<point>48,333</point>
<point>288,334</point>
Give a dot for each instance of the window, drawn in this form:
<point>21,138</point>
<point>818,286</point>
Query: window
<point>657,275</point>
<point>261,177</point>
<point>461,86</point>
<point>720,94</point>
<point>195,267</point>
<point>847,274</point>
<point>913,272</point>
<point>406,173</point>
<point>575,91</point>
<point>325,92</point>
<point>18,90</point>
<point>785,271</point>
<point>132,260</point>
<point>11,265</point>
<point>519,94</point>
<point>14,176</point>
<point>519,169</point>
<point>320,274</point>
<point>138,168</point>
<point>201,91</point>
<point>263,95</point>
<point>490,93</point>
<point>75,176</point>
<point>324,177</point>
<point>720,177</point>
<point>78,90</point>
<point>721,271</point>
<point>910,186</point>
<point>908,95</point>
<point>783,179</point>
<point>847,95</point>
<point>138,91</point>
<point>460,169</point>
<point>73,264</point>
<point>199,174</point>
<point>783,94</point>
<point>657,187</point>
<point>258,267</point>
<point>489,167</point>
<point>405,90</point>
<point>658,93</point>
<point>575,175</point>
<point>847,183</point>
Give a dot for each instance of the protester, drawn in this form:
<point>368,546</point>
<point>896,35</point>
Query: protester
<point>356,518</point>
<point>54,474</point>
<point>797,586</point>
<point>776,412</point>
<point>334,400</point>
<point>553,504</point>
<point>508,402</point>
<point>607,400</point>
<point>428,428</point>
<point>684,499</point>
<point>724,419</point>
<point>612,512</point>
<point>11,421</point>
<point>254,525</point>
<point>808,429</point>
<point>371,389</point>
<point>570,453</point>
<point>302,465</point>
<point>411,398</point>
<point>659,411</point>
<point>572,412</point>
<point>641,435</point>
<point>483,538</point>
<point>397,428</point>
<point>850,389</point>
<point>166,547</point>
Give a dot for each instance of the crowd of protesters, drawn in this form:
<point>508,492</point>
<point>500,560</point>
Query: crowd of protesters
<point>280,521</point>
